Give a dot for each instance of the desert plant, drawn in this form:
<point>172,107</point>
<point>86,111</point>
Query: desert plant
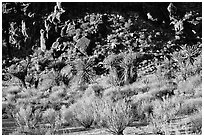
<point>52,117</point>
<point>28,121</point>
<point>196,122</point>
<point>187,60</point>
<point>57,93</point>
<point>13,89</point>
<point>67,116</point>
<point>122,67</point>
<point>189,86</point>
<point>117,116</point>
<point>31,120</point>
<point>83,112</point>
<point>163,114</point>
<point>142,106</point>
<point>189,106</point>
<point>84,71</point>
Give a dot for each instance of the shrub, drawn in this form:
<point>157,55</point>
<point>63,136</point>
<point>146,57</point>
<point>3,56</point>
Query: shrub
<point>160,86</point>
<point>139,87</point>
<point>98,90</point>
<point>196,122</point>
<point>128,91</point>
<point>163,114</point>
<point>198,91</point>
<point>188,86</point>
<point>83,112</point>
<point>112,93</point>
<point>142,106</point>
<point>11,98</point>
<point>117,116</point>
<point>31,120</point>
<point>94,90</point>
<point>13,89</point>
<point>161,92</point>
<point>57,93</point>
<point>53,118</point>
<point>99,110</point>
<point>67,116</point>
<point>189,106</point>
<point>104,81</point>
<point>28,121</point>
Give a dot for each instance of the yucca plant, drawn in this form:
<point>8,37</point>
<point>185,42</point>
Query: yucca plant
<point>191,51</point>
<point>186,58</point>
<point>122,67</point>
<point>84,71</point>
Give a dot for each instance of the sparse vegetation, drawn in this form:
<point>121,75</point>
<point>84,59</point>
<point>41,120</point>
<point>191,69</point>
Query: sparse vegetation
<point>101,66</point>
<point>117,116</point>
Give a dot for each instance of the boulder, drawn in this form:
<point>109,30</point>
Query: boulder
<point>83,44</point>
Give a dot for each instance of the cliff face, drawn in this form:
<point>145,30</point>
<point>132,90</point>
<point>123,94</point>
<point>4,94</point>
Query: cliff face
<point>158,10</point>
<point>34,15</point>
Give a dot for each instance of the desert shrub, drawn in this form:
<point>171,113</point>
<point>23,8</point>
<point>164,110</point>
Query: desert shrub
<point>98,90</point>
<point>159,86</point>
<point>190,106</point>
<point>29,93</point>
<point>5,110</point>
<point>94,90</point>
<point>188,86</point>
<point>198,91</point>
<point>112,93</point>
<point>192,124</point>
<point>67,116</point>
<point>57,93</point>
<point>24,94</point>
<point>28,121</point>
<point>104,81</point>
<point>196,80</point>
<point>13,89</point>
<point>196,122</point>
<point>31,120</point>
<point>11,98</point>
<point>99,111</point>
<point>83,112</point>
<point>160,92</point>
<point>117,116</point>
<point>163,114</point>
<point>142,106</point>
<point>139,86</point>
<point>47,81</point>
<point>52,117</point>
<point>197,67</point>
<point>117,93</point>
<point>146,97</point>
<point>128,91</point>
